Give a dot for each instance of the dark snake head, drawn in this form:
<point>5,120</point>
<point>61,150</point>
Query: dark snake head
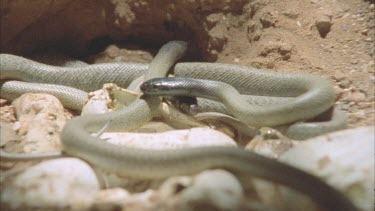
<point>164,87</point>
<point>149,87</point>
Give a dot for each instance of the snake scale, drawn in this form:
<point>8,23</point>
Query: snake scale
<point>307,96</point>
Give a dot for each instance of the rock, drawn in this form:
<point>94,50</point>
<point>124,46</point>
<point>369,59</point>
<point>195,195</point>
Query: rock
<point>7,133</point>
<point>356,96</point>
<point>112,51</point>
<point>175,139</point>
<point>344,84</point>
<point>173,186</point>
<point>369,39</point>
<point>364,32</point>
<point>253,33</point>
<point>41,118</point>
<point>7,114</point>
<point>363,105</point>
<point>54,184</point>
<point>339,76</point>
<point>361,114</point>
<point>344,159</point>
<point>210,190</point>
<point>285,50</point>
<point>279,49</point>
<point>217,38</point>
<point>120,199</point>
<point>338,92</point>
<point>97,103</point>
<point>268,19</point>
<point>293,14</point>
<point>323,24</point>
<point>213,19</point>
<point>370,67</point>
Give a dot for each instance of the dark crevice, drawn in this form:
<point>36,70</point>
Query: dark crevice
<point>99,44</point>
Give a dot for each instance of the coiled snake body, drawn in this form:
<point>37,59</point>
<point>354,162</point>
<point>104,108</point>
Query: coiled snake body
<point>303,96</point>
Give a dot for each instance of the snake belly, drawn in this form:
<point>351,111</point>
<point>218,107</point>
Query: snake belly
<point>141,163</point>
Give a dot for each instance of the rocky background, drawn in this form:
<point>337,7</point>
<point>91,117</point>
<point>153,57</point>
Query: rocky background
<point>334,39</point>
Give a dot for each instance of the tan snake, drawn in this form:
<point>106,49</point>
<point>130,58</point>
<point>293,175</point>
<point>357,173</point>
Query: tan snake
<point>307,96</point>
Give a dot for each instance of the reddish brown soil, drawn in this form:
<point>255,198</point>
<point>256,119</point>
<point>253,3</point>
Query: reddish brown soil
<point>334,39</point>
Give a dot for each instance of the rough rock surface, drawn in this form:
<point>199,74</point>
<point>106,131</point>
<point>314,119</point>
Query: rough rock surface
<point>40,119</point>
<point>59,183</point>
<point>345,159</point>
<point>218,190</point>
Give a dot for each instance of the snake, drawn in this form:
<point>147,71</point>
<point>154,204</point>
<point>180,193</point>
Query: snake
<point>304,97</point>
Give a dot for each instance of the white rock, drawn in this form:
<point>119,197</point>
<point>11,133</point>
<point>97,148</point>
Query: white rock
<point>101,100</point>
<point>174,139</point>
<point>120,199</point>
<point>59,183</point>
<point>97,103</point>
<point>41,118</point>
<point>211,190</point>
<point>345,159</point>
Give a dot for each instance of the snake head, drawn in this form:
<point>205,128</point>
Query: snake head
<point>164,87</point>
<point>150,87</point>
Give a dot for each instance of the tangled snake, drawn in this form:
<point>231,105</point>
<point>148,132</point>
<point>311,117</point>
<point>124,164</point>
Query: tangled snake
<point>295,97</point>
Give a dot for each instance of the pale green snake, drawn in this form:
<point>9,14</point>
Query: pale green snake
<point>307,97</point>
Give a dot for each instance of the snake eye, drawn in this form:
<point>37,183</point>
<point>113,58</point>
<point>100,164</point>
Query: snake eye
<point>148,87</point>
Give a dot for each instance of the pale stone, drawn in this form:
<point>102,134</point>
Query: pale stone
<point>345,159</point>
<point>59,183</point>
<point>209,190</point>
<point>175,139</point>
<point>41,118</point>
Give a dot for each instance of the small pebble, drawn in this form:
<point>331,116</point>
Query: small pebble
<point>359,115</point>
<point>112,51</point>
<point>339,91</point>
<point>212,190</point>
<point>213,19</point>
<point>339,75</point>
<point>364,32</point>
<point>356,97</point>
<point>323,24</point>
<point>363,105</point>
<point>344,84</point>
